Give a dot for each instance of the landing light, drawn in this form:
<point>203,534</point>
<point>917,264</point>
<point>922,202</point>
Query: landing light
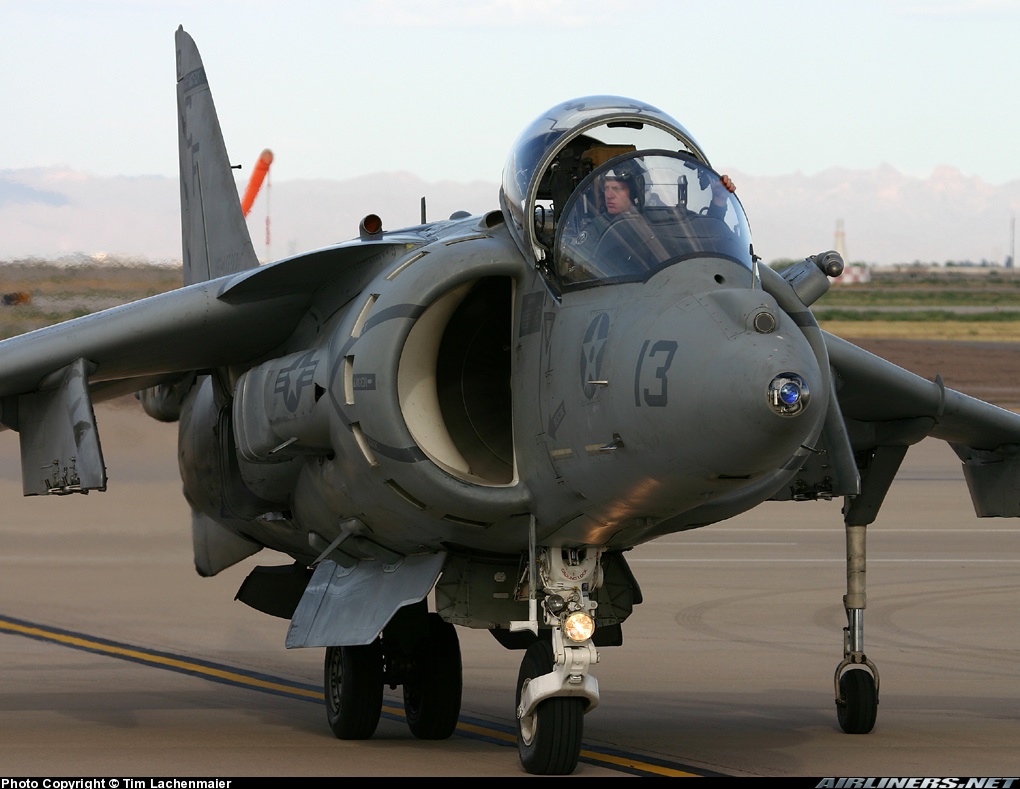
<point>788,394</point>
<point>579,626</point>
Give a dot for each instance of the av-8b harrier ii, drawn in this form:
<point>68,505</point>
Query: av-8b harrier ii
<point>490,410</point>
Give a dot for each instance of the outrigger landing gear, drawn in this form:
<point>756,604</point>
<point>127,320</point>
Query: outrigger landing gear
<point>554,689</point>
<point>418,650</point>
<point>856,687</point>
<point>856,678</point>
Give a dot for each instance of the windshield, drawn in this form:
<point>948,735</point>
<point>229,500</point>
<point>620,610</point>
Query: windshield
<point>640,212</point>
<point>555,152</point>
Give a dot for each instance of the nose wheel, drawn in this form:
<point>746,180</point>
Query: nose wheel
<point>549,737</point>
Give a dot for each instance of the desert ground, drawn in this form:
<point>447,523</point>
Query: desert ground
<point>986,370</point>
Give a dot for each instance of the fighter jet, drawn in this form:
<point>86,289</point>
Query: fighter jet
<point>481,415</point>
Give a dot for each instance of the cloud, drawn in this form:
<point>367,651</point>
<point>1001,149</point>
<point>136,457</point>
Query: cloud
<point>12,192</point>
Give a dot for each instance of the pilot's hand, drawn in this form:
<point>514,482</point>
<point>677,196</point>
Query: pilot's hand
<point>721,188</point>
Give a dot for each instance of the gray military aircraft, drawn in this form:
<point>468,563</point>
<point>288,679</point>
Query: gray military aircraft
<point>492,410</point>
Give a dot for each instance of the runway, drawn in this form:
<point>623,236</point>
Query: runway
<point>727,665</point>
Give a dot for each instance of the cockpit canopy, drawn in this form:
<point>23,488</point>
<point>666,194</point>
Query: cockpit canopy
<point>554,181</point>
<point>643,211</point>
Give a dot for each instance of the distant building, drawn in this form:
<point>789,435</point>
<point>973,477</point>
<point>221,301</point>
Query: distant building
<point>854,273</point>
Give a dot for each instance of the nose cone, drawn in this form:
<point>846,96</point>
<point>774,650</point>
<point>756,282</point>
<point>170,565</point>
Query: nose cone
<point>733,388</point>
<point>685,397</point>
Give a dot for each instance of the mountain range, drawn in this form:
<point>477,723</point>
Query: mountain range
<point>888,217</point>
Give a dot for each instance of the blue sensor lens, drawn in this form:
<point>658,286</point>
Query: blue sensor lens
<point>789,393</point>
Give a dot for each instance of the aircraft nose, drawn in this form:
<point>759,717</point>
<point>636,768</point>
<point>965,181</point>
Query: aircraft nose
<point>740,389</point>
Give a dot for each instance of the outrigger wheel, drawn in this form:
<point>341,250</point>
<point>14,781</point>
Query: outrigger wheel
<point>857,703</point>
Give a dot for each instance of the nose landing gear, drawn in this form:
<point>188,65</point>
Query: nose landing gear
<point>549,736</point>
<point>554,688</point>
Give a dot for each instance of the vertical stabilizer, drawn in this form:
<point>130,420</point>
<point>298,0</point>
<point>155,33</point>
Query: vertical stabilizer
<point>214,234</point>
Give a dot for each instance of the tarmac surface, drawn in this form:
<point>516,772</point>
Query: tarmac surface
<point>727,666</point>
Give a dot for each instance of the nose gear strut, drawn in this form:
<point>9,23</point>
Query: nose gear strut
<point>554,688</point>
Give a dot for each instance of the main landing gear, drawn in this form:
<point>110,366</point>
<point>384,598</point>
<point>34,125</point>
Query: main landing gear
<point>418,650</point>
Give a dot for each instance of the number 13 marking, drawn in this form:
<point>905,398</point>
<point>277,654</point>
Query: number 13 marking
<point>661,397</point>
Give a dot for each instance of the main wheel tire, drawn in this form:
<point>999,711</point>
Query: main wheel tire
<point>548,740</point>
<point>432,693</point>
<point>354,690</point>
<point>860,708</point>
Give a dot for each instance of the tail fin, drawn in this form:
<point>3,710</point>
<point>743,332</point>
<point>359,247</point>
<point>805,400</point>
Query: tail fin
<point>214,234</point>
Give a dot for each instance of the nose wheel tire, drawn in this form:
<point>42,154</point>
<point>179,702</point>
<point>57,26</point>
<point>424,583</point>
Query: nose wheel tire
<point>857,707</point>
<point>354,690</point>
<point>432,692</point>
<point>548,740</point>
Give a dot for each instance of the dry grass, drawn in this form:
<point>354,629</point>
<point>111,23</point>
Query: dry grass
<point>959,331</point>
<point>67,289</point>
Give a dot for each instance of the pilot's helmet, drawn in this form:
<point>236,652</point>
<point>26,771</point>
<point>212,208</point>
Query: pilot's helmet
<point>632,173</point>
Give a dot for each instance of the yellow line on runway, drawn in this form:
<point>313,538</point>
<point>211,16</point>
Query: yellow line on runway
<point>236,678</point>
<point>148,657</point>
<point>634,764</point>
<point>492,734</point>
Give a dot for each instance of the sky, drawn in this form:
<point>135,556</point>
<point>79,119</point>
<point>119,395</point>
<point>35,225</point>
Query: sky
<point>342,88</point>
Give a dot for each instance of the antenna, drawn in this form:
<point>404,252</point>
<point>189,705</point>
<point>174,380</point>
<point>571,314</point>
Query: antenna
<point>840,239</point>
<point>1012,242</point>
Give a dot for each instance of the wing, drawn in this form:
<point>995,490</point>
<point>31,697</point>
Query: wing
<point>50,377</point>
<point>887,408</point>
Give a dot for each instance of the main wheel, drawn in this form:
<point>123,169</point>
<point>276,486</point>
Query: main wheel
<point>354,690</point>
<point>433,689</point>
<point>548,740</point>
<point>860,708</point>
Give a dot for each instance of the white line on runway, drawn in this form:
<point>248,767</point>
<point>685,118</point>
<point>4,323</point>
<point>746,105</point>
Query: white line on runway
<point>826,529</point>
<point>780,560</point>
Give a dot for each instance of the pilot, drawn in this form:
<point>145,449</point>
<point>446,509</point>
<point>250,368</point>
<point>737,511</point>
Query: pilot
<point>621,240</point>
<point>626,242</point>
<point>617,194</point>
<point>623,190</point>
<point>629,243</point>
